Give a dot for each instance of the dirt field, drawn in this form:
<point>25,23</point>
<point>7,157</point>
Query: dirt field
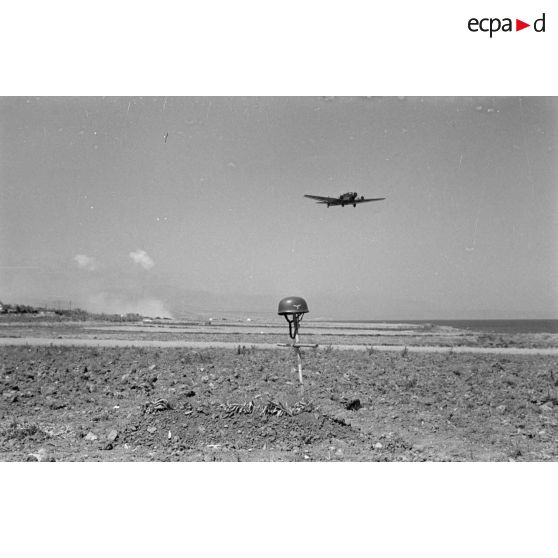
<point>323,333</point>
<point>142,404</point>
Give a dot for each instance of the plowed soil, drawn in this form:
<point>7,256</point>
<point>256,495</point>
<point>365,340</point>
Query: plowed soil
<point>145,404</point>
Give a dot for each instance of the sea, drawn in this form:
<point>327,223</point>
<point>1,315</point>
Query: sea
<point>496,326</point>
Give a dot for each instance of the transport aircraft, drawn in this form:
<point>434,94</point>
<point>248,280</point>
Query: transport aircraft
<point>349,198</point>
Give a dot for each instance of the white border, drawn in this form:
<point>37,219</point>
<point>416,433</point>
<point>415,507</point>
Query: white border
<point>278,509</point>
<point>269,48</point>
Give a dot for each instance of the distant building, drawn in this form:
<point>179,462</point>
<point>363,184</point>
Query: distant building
<point>133,316</point>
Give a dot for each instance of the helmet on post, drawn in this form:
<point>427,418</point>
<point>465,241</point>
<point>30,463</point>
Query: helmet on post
<point>293,308</point>
<point>292,305</point>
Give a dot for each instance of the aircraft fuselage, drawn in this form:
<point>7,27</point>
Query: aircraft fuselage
<point>348,198</point>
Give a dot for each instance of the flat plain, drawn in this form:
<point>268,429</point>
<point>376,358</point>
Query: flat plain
<point>379,399</point>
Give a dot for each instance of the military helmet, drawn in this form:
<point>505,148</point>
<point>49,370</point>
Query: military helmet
<point>292,305</point>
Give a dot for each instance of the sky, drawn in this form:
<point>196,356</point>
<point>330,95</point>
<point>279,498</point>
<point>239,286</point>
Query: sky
<point>180,205</point>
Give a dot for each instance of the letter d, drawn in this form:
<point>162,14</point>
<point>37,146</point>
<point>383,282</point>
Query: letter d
<point>535,25</point>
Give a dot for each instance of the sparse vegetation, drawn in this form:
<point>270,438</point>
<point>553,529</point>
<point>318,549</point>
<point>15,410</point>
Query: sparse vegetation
<point>21,431</point>
<point>216,404</point>
<point>21,311</point>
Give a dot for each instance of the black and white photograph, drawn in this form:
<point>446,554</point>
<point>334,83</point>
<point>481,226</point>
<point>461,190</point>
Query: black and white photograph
<point>279,279</point>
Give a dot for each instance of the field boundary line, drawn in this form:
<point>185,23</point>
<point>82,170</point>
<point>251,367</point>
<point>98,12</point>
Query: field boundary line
<point>76,342</point>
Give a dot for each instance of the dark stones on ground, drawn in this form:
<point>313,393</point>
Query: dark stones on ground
<point>353,405</point>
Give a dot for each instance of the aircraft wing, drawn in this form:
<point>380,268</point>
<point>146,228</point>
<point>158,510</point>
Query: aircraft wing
<point>368,200</point>
<point>322,199</point>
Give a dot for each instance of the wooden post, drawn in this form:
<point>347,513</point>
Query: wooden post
<point>296,345</point>
<point>299,360</point>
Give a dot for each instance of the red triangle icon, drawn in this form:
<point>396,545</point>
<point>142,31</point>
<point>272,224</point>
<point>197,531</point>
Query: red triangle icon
<point>519,25</point>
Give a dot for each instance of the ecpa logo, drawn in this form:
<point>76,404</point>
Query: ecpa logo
<point>492,25</point>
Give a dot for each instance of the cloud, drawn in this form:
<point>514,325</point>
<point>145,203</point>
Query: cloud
<point>85,262</point>
<point>141,258</point>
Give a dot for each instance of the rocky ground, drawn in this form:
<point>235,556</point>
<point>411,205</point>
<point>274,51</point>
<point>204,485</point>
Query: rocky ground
<point>143,404</point>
